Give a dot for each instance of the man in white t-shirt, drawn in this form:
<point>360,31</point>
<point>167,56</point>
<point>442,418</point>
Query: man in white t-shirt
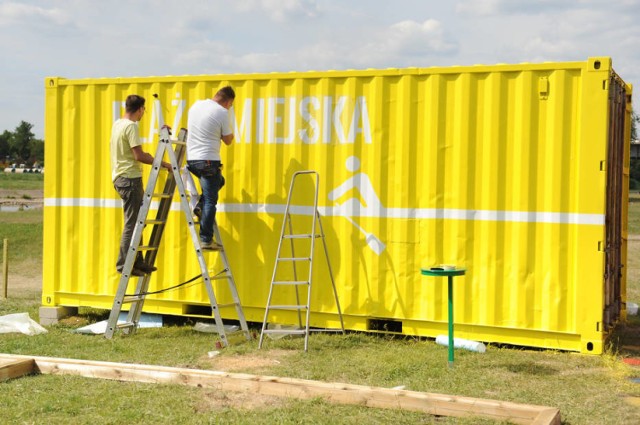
<point>208,125</point>
<point>126,174</point>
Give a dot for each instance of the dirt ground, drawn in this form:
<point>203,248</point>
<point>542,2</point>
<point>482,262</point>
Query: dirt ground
<point>249,363</point>
<point>23,286</point>
<point>31,198</point>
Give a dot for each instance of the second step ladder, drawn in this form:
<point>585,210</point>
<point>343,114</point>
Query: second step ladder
<point>296,261</point>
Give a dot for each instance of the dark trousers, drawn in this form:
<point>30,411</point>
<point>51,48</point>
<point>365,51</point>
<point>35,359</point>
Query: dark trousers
<point>211,181</point>
<point>131,192</point>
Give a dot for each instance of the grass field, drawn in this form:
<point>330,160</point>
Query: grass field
<point>586,389</point>
<point>21,180</point>
<point>634,214</point>
<point>23,229</point>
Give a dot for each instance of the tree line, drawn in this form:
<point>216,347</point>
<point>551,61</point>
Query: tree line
<point>21,146</point>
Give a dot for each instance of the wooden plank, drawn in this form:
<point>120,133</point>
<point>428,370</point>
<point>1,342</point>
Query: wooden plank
<point>10,369</point>
<point>548,417</point>
<point>431,403</point>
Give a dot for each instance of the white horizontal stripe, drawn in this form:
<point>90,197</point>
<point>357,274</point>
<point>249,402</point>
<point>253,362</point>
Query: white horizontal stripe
<point>97,203</point>
<point>398,213</point>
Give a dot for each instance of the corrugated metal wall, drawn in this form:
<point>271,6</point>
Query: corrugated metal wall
<point>500,169</point>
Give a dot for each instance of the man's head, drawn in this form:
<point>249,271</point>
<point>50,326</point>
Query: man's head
<point>134,107</point>
<point>225,97</point>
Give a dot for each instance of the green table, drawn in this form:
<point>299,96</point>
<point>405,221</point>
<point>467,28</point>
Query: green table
<point>439,272</point>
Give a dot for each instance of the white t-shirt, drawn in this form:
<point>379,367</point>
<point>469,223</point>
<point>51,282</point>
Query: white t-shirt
<point>207,123</point>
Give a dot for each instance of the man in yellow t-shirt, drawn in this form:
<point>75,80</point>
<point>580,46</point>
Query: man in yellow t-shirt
<point>126,173</point>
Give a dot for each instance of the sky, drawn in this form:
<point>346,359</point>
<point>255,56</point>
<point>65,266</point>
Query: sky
<point>91,39</point>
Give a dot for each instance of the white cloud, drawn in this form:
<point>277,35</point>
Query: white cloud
<point>519,7</point>
<point>541,49</point>
<point>208,54</point>
<point>25,14</point>
<point>478,7</point>
<point>280,10</point>
<point>406,43</point>
<point>87,39</point>
<point>411,37</point>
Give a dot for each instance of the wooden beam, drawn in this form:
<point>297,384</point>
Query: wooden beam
<point>10,369</point>
<point>549,416</point>
<point>431,403</point>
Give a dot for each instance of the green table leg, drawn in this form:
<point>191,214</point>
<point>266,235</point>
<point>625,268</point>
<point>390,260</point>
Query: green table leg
<point>450,278</point>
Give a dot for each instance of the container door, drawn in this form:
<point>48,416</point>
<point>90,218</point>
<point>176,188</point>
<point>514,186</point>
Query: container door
<point>615,193</point>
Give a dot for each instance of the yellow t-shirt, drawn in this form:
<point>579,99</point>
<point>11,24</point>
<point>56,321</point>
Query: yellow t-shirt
<point>124,136</point>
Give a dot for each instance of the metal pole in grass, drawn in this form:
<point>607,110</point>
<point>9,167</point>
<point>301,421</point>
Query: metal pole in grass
<point>449,271</point>
<point>5,266</point>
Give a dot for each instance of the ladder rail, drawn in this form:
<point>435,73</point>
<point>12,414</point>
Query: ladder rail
<point>169,188</point>
<point>203,266</point>
<point>161,215</point>
<point>295,271</point>
<point>275,268</point>
<point>232,285</point>
<point>333,282</point>
<point>313,242</point>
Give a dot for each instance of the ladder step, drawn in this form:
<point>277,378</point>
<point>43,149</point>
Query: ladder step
<point>290,282</point>
<point>132,298</point>
<point>301,236</point>
<point>285,331</point>
<point>126,325</point>
<point>147,248</point>
<point>178,142</point>
<point>162,195</point>
<point>227,305</point>
<point>326,330</point>
<point>155,221</point>
<point>294,259</point>
<point>287,307</point>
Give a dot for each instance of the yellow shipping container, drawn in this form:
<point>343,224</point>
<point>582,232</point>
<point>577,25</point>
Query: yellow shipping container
<point>516,172</point>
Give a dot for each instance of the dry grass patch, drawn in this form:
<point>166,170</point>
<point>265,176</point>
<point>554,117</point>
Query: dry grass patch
<point>212,401</point>
<point>253,362</point>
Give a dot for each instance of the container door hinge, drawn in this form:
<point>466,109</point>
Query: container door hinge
<point>603,165</point>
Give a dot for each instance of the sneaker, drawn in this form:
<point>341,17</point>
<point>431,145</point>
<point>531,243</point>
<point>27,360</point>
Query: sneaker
<point>211,246</point>
<point>144,267</point>
<point>197,211</point>
<point>135,272</point>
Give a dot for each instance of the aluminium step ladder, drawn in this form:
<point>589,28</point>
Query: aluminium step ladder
<point>136,300</point>
<point>287,233</point>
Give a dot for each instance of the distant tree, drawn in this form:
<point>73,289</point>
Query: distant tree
<point>634,166</point>
<point>5,145</point>
<point>36,151</point>
<point>21,141</point>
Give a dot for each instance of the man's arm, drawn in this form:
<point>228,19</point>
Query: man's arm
<point>146,158</point>
<point>227,139</point>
